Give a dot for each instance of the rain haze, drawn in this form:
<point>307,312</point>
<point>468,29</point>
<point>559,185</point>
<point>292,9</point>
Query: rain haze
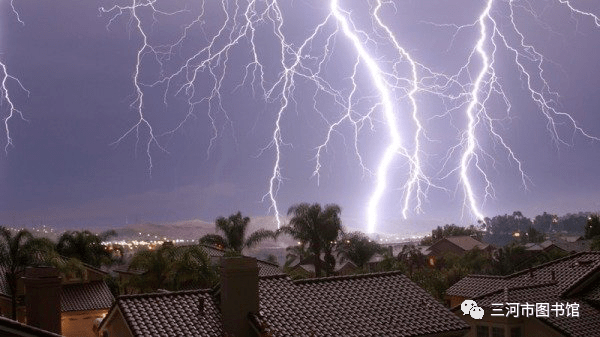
<point>178,110</point>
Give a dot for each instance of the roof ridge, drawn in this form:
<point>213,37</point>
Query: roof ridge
<point>168,293</point>
<point>519,287</point>
<point>274,276</point>
<point>347,277</point>
<point>570,256</point>
<point>487,276</point>
<point>580,280</point>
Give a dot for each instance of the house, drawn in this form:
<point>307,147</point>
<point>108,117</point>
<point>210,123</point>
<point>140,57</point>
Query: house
<point>83,298</point>
<point>246,304</point>
<point>457,245</point>
<point>571,282</point>
<point>305,268</point>
<point>565,246</point>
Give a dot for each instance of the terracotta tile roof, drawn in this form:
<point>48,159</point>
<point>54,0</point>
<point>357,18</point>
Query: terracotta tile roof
<point>572,279</point>
<point>587,324</point>
<point>8,327</point>
<point>568,272</point>
<point>86,296</point>
<point>568,246</point>
<point>467,242</point>
<point>268,269</point>
<point>182,313</point>
<point>384,304</point>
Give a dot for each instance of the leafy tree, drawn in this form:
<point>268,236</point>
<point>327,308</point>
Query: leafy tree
<point>592,227</point>
<point>545,222</point>
<point>595,243</point>
<point>412,258</point>
<point>18,251</point>
<point>573,223</point>
<point>357,248</point>
<point>317,227</point>
<point>532,235</point>
<point>448,231</point>
<point>86,246</point>
<point>234,234</point>
<point>507,259</point>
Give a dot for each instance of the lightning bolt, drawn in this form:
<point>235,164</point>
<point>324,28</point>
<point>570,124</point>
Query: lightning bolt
<point>398,81</point>
<point>6,94</point>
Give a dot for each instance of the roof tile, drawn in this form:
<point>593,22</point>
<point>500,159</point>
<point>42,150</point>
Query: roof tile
<point>86,296</point>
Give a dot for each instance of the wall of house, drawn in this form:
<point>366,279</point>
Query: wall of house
<point>116,326</point>
<point>5,306</point>
<point>80,323</point>
<point>452,301</point>
<point>529,326</point>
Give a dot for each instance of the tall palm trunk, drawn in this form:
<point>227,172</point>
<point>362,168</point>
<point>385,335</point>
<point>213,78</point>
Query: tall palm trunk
<point>317,256</point>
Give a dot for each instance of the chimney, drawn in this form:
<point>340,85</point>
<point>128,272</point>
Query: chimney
<point>42,298</point>
<point>239,294</point>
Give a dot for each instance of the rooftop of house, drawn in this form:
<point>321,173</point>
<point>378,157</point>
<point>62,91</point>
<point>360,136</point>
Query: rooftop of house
<point>573,279</point>
<point>381,304</point>
<point>75,296</point>
<point>86,296</point>
<point>567,246</point>
<point>8,327</point>
<point>568,272</point>
<point>181,313</point>
<point>466,242</point>
<point>377,304</point>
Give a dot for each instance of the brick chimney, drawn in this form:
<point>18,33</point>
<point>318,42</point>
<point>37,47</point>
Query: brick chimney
<point>239,294</point>
<point>42,298</point>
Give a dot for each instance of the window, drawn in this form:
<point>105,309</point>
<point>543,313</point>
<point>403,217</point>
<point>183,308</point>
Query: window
<point>497,332</point>
<point>515,332</point>
<point>483,331</point>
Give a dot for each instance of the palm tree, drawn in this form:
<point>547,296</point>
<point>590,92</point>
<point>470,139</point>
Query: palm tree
<point>157,267</point>
<point>357,248</point>
<point>85,246</point>
<point>170,267</point>
<point>17,252</point>
<point>317,227</point>
<point>193,268</point>
<point>234,234</point>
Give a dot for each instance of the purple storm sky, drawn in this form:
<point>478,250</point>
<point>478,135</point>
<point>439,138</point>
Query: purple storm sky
<point>64,169</point>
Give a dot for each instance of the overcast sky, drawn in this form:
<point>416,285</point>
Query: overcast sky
<point>79,65</point>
